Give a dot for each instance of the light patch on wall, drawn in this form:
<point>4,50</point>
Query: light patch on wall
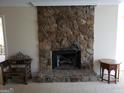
<point>120,36</point>
<point>2,49</point>
<point>1,32</point>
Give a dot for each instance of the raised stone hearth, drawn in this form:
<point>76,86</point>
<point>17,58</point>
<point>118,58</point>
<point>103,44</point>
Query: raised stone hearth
<point>65,27</point>
<point>68,76</point>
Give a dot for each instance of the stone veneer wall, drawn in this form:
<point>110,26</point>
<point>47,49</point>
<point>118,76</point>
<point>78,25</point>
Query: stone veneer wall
<point>63,26</point>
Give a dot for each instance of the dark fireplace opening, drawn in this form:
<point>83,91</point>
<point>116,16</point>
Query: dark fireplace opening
<point>66,59</point>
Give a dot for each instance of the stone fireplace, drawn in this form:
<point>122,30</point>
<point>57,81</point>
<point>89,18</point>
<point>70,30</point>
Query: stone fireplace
<point>66,38</point>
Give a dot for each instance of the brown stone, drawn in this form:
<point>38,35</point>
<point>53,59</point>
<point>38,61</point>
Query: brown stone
<point>62,26</point>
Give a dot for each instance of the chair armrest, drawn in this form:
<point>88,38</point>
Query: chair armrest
<point>4,65</point>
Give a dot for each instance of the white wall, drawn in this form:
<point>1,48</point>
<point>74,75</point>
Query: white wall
<point>57,2</point>
<point>21,30</point>
<point>105,32</point>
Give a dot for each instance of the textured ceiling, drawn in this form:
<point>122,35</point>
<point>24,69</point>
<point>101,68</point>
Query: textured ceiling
<point>58,2</point>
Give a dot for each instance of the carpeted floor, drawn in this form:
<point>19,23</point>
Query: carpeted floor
<point>74,87</point>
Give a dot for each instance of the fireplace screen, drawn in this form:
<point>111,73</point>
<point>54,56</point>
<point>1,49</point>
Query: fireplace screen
<point>66,59</point>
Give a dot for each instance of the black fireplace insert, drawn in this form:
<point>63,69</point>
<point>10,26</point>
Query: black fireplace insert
<point>66,59</point>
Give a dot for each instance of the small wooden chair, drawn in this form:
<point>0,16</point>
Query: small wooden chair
<point>19,69</point>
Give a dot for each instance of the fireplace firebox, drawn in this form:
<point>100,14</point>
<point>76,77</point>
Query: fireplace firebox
<point>66,59</point>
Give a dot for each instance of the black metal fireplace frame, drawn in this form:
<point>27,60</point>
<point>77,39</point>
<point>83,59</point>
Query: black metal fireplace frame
<point>74,53</point>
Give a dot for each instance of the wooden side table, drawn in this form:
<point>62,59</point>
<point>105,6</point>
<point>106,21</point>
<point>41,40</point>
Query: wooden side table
<point>109,64</point>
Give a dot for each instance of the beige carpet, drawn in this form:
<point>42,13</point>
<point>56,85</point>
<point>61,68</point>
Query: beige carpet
<point>78,87</point>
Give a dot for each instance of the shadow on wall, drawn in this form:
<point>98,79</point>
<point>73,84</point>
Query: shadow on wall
<point>96,66</point>
<point>1,80</point>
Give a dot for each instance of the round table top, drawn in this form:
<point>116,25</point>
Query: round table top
<point>109,61</point>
